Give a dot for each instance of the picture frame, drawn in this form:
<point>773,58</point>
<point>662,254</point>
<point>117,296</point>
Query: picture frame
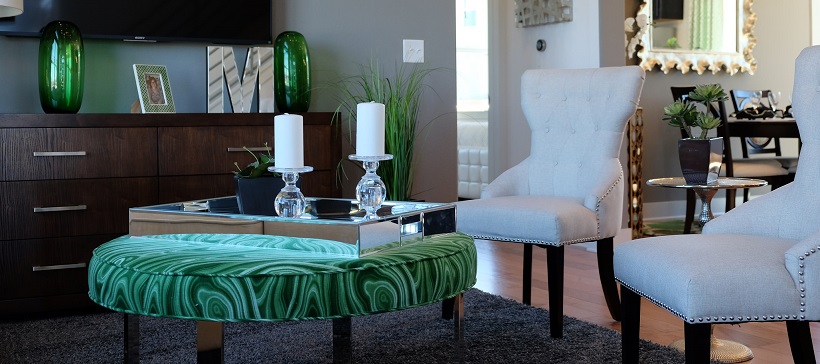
<point>530,13</point>
<point>154,89</point>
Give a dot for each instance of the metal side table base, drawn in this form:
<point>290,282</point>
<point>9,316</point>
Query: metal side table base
<point>724,351</point>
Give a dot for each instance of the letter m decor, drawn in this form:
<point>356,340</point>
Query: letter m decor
<point>222,70</point>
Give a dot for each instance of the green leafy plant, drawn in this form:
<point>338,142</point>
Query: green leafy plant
<point>401,95</point>
<point>685,114</point>
<point>257,168</point>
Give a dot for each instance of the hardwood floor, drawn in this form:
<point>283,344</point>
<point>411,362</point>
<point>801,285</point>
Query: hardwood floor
<point>499,272</point>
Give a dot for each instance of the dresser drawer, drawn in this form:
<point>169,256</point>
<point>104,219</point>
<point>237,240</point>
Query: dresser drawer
<point>209,150</point>
<point>46,267</point>
<point>41,209</point>
<point>64,153</point>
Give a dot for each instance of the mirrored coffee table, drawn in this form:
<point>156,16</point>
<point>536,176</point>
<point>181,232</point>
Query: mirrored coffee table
<point>397,223</point>
<point>355,237</point>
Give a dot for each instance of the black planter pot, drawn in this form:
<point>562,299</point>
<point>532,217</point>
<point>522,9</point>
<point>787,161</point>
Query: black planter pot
<point>255,195</point>
<point>700,160</point>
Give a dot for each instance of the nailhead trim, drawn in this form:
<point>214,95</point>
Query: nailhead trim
<point>715,319</point>
<point>802,281</point>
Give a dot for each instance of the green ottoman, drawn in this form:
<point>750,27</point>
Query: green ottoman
<point>215,278</point>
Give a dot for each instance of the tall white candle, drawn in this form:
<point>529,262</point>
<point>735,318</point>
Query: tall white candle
<point>369,129</point>
<point>288,141</point>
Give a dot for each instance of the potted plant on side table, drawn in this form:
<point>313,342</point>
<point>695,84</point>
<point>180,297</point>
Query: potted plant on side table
<point>256,187</point>
<point>700,156</point>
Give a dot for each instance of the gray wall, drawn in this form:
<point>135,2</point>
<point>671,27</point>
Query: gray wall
<point>340,35</point>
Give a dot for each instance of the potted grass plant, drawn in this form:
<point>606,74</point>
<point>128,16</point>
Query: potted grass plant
<point>700,155</point>
<point>401,95</point>
<point>256,187</point>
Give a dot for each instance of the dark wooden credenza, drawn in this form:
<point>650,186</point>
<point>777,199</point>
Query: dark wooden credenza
<point>67,182</point>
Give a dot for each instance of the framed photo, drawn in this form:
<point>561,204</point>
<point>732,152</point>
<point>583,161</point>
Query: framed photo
<point>154,89</point>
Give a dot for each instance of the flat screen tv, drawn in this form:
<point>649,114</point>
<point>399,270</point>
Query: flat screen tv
<point>209,21</point>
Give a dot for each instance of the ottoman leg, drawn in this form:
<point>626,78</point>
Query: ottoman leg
<point>209,342</point>
<point>131,338</point>
<point>342,351</point>
<point>447,308</point>
<point>458,325</point>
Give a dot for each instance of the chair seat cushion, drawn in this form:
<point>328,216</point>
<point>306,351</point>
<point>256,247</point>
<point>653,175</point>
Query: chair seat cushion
<point>755,168</point>
<point>245,277</point>
<point>532,219</point>
<point>711,277</point>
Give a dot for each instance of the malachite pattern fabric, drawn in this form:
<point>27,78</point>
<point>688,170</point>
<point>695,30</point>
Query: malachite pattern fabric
<point>243,277</point>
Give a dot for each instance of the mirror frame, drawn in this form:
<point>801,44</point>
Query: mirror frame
<point>640,43</point>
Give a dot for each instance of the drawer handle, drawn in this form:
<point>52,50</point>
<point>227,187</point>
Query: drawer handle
<point>42,268</point>
<point>60,208</point>
<point>59,154</point>
<point>252,149</point>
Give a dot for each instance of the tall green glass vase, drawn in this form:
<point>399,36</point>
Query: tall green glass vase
<point>61,68</point>
<point>291,72</point>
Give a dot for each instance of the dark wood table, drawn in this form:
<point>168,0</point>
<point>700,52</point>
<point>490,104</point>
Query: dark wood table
<point>767,128</point>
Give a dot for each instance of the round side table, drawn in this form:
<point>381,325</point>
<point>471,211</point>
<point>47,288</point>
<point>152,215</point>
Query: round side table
<point>705,192</point>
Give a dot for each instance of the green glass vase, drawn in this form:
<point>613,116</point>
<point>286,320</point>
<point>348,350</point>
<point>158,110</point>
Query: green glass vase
<point>61,68</point>
<point>291,73</point>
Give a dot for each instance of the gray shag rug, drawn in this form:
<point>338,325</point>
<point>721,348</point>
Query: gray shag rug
<point>497,330</point>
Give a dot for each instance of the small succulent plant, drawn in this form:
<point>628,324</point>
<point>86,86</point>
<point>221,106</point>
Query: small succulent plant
<point>684,114</point>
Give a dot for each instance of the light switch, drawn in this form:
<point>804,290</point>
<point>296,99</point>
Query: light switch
<point>413,50</point>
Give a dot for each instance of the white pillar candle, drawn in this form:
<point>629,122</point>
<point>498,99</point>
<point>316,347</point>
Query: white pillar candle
<point>288,141</point>
<point>369,129</point>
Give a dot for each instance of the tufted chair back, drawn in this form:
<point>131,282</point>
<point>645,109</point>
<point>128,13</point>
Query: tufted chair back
<point>568,111</point>
<point>790,211</point>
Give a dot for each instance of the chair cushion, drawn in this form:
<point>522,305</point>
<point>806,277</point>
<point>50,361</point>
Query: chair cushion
<point>533,219</point>
<point>711,277</point>
<point>245,277</point>
<point>755,168</point>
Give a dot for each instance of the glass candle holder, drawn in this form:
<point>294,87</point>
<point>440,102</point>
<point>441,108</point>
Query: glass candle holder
<point>371,190</point>
<point>290,202</point>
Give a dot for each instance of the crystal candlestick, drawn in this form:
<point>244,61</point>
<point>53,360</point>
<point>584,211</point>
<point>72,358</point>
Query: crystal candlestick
<point>371,191</point>
<point>290,202</point>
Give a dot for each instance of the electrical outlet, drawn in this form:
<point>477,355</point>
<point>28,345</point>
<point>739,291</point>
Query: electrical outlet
<point>413,50</point>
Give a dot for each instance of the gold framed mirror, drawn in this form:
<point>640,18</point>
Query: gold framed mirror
<point>697,35</point>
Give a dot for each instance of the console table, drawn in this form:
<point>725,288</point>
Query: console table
<point>68,180</point>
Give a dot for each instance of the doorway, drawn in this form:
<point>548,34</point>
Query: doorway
<point>472,88</point>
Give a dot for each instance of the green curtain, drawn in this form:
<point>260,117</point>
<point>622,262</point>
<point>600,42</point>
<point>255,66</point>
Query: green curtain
<point>706,24</point>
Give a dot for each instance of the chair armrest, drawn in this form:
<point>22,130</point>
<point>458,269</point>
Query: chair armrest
<point>760,216</point>
<point>803,264</point>
<point>606,199</point>
<point>513,182</point>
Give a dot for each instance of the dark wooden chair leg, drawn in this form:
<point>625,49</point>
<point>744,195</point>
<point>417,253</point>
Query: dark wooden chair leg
<point>689,218</point>
<point>731,194</point>
<point>630,326</point>
<point>526,294</point>
<point>698,342</point>
<point>555,284</point>
<point>607,274</point>
<point>800,341</point>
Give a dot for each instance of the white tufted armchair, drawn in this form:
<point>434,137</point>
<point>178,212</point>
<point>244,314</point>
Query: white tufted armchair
<point>570,189</point>
<point>758,262</point>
